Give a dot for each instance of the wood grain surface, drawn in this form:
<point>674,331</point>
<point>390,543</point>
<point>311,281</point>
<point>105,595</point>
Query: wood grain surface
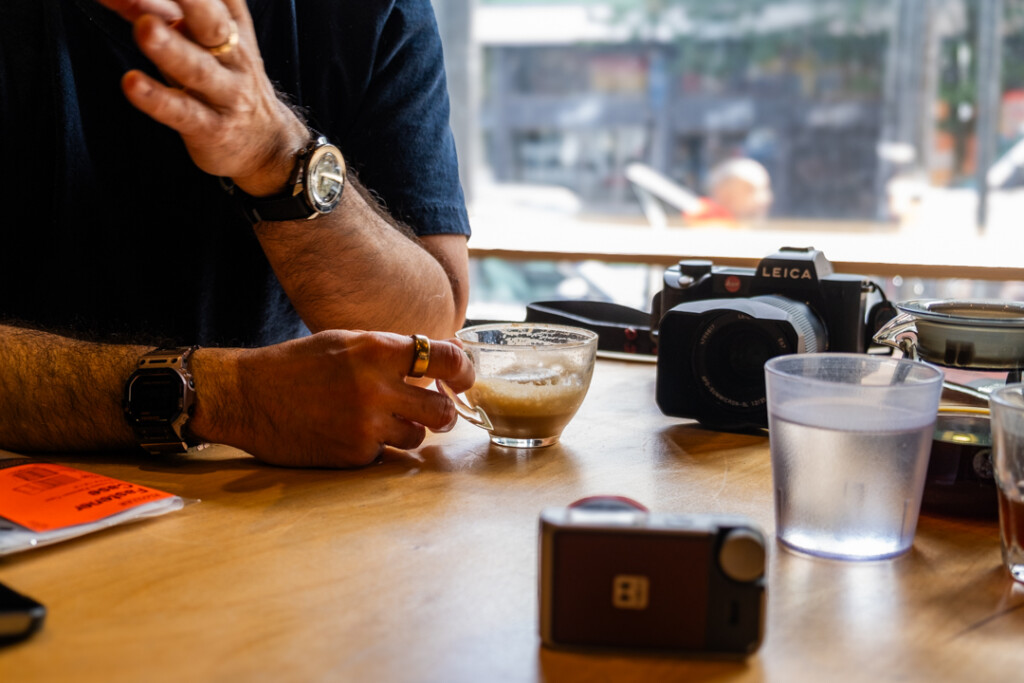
<point>423,567</point>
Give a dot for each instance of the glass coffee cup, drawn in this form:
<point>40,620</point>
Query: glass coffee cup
<point>530,380</point>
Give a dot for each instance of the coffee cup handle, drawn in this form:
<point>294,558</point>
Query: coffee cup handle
<point>899,333</point>
<point>470,414</point>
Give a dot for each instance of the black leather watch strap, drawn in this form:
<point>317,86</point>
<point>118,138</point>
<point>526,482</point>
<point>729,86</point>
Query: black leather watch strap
<point>277,208</point>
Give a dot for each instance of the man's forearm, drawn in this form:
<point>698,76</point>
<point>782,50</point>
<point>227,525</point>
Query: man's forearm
<point>63,394</point>
<point>58,393</point>
<point>334,399</point>
<point>354,269</point>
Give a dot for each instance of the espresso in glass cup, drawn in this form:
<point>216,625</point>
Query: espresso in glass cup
<point>531,378</point>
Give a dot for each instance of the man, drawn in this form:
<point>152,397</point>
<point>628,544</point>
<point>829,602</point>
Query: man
<point>740,192</point>
<point>142,136</point>
<point>742,188</point>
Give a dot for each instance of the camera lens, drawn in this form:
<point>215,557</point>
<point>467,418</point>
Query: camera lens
<point>732,365</point>
<point>735,341</point>
<point>712,353</point>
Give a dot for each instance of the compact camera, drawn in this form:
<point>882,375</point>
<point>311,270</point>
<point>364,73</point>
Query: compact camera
<point>718,325</point>
<point>615,576</point>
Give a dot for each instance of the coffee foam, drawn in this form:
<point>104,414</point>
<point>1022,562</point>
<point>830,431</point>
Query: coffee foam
<point>529,392</point>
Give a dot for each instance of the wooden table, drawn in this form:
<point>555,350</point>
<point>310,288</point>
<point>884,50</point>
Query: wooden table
<point>423,568</point>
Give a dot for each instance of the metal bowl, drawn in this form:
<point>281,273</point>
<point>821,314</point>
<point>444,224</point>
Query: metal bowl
<point>976,334</point>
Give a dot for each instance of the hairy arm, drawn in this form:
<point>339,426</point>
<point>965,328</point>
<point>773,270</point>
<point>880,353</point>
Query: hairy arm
<point>334,399</point>
<point>58,393</point>
<point>356,268</point>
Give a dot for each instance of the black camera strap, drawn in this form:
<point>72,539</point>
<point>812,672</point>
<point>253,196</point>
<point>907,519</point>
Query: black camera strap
<point>619,328</point>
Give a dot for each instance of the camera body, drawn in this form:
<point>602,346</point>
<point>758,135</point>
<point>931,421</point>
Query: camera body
<point>718,325</point>
<point>614,576</point>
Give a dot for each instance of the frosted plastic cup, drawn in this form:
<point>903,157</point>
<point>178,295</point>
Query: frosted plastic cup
<point>530,380</point>
<point>1007,405</point>
<point>850,438</point>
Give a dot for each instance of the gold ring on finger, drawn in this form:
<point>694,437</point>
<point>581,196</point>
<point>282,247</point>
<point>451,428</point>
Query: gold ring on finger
<point>228,45</point>
<point>421,355</point>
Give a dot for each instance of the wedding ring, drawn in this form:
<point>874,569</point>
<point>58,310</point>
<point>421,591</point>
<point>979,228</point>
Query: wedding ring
<point>421,355</point>
<point>228,45</point>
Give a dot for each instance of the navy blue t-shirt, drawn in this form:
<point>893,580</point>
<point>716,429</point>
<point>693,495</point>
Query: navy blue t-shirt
<point>107,228</point>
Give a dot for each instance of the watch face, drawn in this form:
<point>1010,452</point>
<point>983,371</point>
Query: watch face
<point>326,178</point>
<point>156,395</point>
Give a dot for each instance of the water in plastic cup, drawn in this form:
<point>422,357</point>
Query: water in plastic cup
<point>850,437</point>
<point>1007,405</point>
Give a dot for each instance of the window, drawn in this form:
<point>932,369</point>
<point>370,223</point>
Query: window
<point>881,125</point>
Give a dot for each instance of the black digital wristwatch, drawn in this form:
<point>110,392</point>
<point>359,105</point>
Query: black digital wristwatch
<point>159,398</point>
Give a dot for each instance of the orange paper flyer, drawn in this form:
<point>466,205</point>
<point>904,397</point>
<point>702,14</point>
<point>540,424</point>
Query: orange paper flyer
<point>42,496</point>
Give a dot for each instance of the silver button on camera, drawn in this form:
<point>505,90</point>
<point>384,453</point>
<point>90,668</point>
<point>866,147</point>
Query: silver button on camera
<point>742,556</point>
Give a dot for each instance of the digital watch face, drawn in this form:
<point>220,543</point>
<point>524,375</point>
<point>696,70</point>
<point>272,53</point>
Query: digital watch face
<point>326,178</point>
<point>156,395</point>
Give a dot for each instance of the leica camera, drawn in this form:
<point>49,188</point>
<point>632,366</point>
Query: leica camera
<point>614,576</point>
<point>717,325</point>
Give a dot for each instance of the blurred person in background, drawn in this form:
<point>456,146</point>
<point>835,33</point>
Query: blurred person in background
<point>741,189</point>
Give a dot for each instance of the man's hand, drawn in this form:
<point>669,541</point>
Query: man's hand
<point>346,269</point>
<point>335,399</point>
<point>220,101</point>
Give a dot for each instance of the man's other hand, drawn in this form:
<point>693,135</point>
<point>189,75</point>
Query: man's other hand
<point>334,399</point>
<point>215,92</point>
